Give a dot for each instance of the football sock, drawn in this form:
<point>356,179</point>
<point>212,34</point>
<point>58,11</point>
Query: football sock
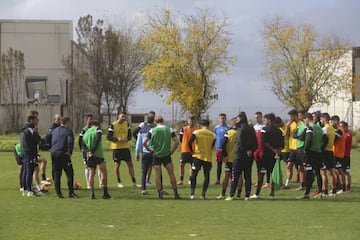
<point>181,178</point>
<point>43,177</point>
<point>133,180</point>
<point>119,180</point>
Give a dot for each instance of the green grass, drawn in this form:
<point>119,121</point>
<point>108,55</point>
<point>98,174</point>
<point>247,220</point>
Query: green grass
<point>129,215</point>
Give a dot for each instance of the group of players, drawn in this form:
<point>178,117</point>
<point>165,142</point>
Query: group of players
<point>315,144</point>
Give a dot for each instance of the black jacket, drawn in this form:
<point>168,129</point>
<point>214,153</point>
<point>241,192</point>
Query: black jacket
<point>29,140</point>
<point>273,137</point>
<point>245,140</point>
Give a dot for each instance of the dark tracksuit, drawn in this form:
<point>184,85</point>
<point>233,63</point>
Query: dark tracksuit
<point>62,142</point>
<point>48,141</point>
<point>29,140</point>
<point>243,162</point>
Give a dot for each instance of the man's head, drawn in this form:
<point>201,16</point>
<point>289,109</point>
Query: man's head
<point>159,119</point>
<point>301,114</point>
<point>335,121</point>
<point>150,118</point>
<point>57,119</point>
<point>32,120</point>
<point>95,123</point>
<point>269,119</point>
<point>34,113</point>
<point>66,122</point>
<point>278,122</point>
<point>308,118</point>
<point>191,121</point>
<point>89,119</point>
<point>205,123</point>
<point>242,118</point>
<point>324,118</point>
<point>222,118</point>
<point>293,115</point>
<point>258,117</point>
<point>122,117</point>
<point>344,125</point>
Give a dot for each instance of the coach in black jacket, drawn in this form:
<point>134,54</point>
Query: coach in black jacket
<point>29,139</point>
<point>246,144</point>
<point>62,144</point>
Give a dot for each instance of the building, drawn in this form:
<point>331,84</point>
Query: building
<point>346,103</point>
<point>45,43</point>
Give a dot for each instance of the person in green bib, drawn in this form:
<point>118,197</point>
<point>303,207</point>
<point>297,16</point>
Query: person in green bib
<point>92,145</point>
<point>160,137</point>
<point>300,153</point>
<point>312,148</point>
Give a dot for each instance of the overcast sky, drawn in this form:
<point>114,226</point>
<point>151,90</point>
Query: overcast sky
<point>244,88</point>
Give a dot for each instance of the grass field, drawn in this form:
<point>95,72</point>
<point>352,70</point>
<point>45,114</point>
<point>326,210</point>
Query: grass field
<point>129,215</point>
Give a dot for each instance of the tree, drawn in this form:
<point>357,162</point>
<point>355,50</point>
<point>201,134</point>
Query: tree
<point>12,69</point>
<point>304,67</point>
<point>184,62</point>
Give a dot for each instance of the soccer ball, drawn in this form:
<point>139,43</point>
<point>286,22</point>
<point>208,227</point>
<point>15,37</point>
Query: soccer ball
<point>44,188</point>
<point>50,180</point>
<point>77,185</point>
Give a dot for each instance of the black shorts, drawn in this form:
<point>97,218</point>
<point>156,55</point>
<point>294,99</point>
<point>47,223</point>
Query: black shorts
<point>197,164</point>
<point>327,160</point>
<point>18,159</point>
<point>346,164</point>
<point>267,163</point>
<point>313,161</point>
<point>162,160</point>
<point>186,157</point>
<point>122,154</point>
<point>338,162</point>
<point>292,157</point>
<point>300,157</point>
<point>93,161</point>
<point>285,156</point>
<point>228,167</point>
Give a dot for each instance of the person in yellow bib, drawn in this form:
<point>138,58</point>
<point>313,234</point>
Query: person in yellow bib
<point>119,133</point>
<point>204,141</point>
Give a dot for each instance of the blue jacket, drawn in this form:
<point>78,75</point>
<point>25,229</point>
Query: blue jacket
<point>140,139</point>
<point>62,140</point>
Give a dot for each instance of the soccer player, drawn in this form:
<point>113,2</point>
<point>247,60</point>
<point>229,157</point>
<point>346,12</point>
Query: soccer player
<point>279,123</point>
<point>246,144</point>
<point>119,133</point>
<point>185,135</point>
<point>89,122</point>
<point>328,164</point>
<point>220,130</point>
<point>290,134</point>
<point>204,141</point>
<point>92,145</point>
<point>147,157</point>
<point>62,144</point>
<point>312,148</point>
<point>273,142</point>
<point>258,126</point>
<point>346,161</point>
<point>29,140</point>
<point>160,137</point>
<point>339,152</point>
<point>300,153</point>
<point>229,155</point>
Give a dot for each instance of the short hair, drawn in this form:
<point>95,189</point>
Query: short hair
<point>192,117</point>
<point>326,116</point>
<point>150,118</point>
<point>302,111</point>
<point>123,112</point>
<point>335,118</point>
<point>31,117</point>
<point>33,112</point>
<point>152,112</point>
<point>258,113</point>
<point>270,116</point>
<point>293,112</point>
<point>65,120</point>
<point>243,117</point>
<point>89,115</point>
<point>205,122</point>
<point>278,121</point>
<point>308,116</point>
<point>345,124</point>
<point>159,119</point>
<point>96,123</point>
<point>222,115</point>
